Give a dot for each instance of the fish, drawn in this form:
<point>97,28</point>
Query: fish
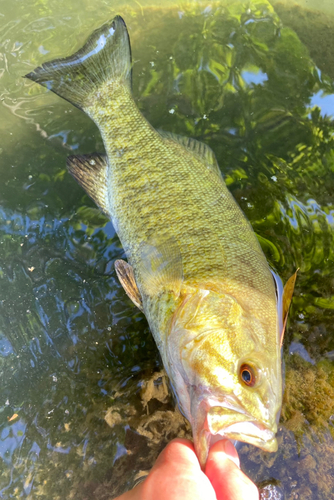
<point>194,264</point>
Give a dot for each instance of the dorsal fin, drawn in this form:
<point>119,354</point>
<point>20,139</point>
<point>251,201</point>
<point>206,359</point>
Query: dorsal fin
<point>127,279</point>
<point>90,171</point>
<point>195,147</point>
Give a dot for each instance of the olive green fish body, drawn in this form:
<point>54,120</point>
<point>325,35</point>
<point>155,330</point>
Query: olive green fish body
<point>160,188</point>
<point>195,266</point>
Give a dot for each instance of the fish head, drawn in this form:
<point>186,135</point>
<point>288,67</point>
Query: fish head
<point>226,368</point>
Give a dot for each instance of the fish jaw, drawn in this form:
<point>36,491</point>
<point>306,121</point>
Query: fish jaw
<point>212,423</point>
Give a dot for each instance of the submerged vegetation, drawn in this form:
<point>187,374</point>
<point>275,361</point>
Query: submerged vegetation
<point>84,407</point>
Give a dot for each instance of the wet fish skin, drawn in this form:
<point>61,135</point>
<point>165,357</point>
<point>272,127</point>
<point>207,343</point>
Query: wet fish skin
<point>203,281</point>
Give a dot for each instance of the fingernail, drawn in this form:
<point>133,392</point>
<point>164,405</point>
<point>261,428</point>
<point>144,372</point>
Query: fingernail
<point>231,452</point>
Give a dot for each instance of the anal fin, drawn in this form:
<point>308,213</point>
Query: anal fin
<point>90,171</point>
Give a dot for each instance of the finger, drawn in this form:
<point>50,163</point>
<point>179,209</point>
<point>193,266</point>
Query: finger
<point>176,475</point>
<point>228,481</point>
<point>179,452</point>
<point>230,450</point>
<point>172,476</point>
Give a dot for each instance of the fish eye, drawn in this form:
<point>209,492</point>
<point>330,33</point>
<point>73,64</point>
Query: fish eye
<point>248,375</point>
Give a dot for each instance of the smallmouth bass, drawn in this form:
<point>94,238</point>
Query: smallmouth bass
<point>195,267</point>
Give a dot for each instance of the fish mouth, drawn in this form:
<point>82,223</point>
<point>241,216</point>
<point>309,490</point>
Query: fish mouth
<point>249,432</point>
<point>231,421</point>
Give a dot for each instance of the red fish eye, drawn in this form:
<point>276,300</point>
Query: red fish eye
<point>248,375</point>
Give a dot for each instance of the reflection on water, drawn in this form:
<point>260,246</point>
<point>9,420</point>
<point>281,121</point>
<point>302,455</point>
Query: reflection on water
<point>84,404</point>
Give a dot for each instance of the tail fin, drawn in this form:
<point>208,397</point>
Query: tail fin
<point>105,57</point>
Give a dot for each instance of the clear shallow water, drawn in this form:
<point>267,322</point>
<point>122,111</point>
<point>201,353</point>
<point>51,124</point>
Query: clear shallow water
<point>84,406</point>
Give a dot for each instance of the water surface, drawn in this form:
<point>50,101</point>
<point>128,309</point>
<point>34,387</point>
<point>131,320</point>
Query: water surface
<point>84,405</point>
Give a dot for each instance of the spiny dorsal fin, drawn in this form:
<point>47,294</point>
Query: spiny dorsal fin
<point>127,279</point>
<point>197,148</point>
<point>287,298</point>
<point>160,267</point>
<point>90,171</point>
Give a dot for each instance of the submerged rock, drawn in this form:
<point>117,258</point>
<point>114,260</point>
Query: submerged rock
<point>271,490</point>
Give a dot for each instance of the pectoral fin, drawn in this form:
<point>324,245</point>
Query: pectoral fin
<point>127,279</point>
<point>287,298</point>
<point>160,267</point>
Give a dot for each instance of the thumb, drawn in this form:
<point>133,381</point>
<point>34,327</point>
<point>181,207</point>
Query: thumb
<point>228,481</point>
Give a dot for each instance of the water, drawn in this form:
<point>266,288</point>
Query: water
<point>84,405</point>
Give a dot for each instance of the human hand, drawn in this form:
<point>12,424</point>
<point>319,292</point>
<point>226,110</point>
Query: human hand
<point>177,475</point>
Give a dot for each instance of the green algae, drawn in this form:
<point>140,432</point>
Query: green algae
<point>309,397</point>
